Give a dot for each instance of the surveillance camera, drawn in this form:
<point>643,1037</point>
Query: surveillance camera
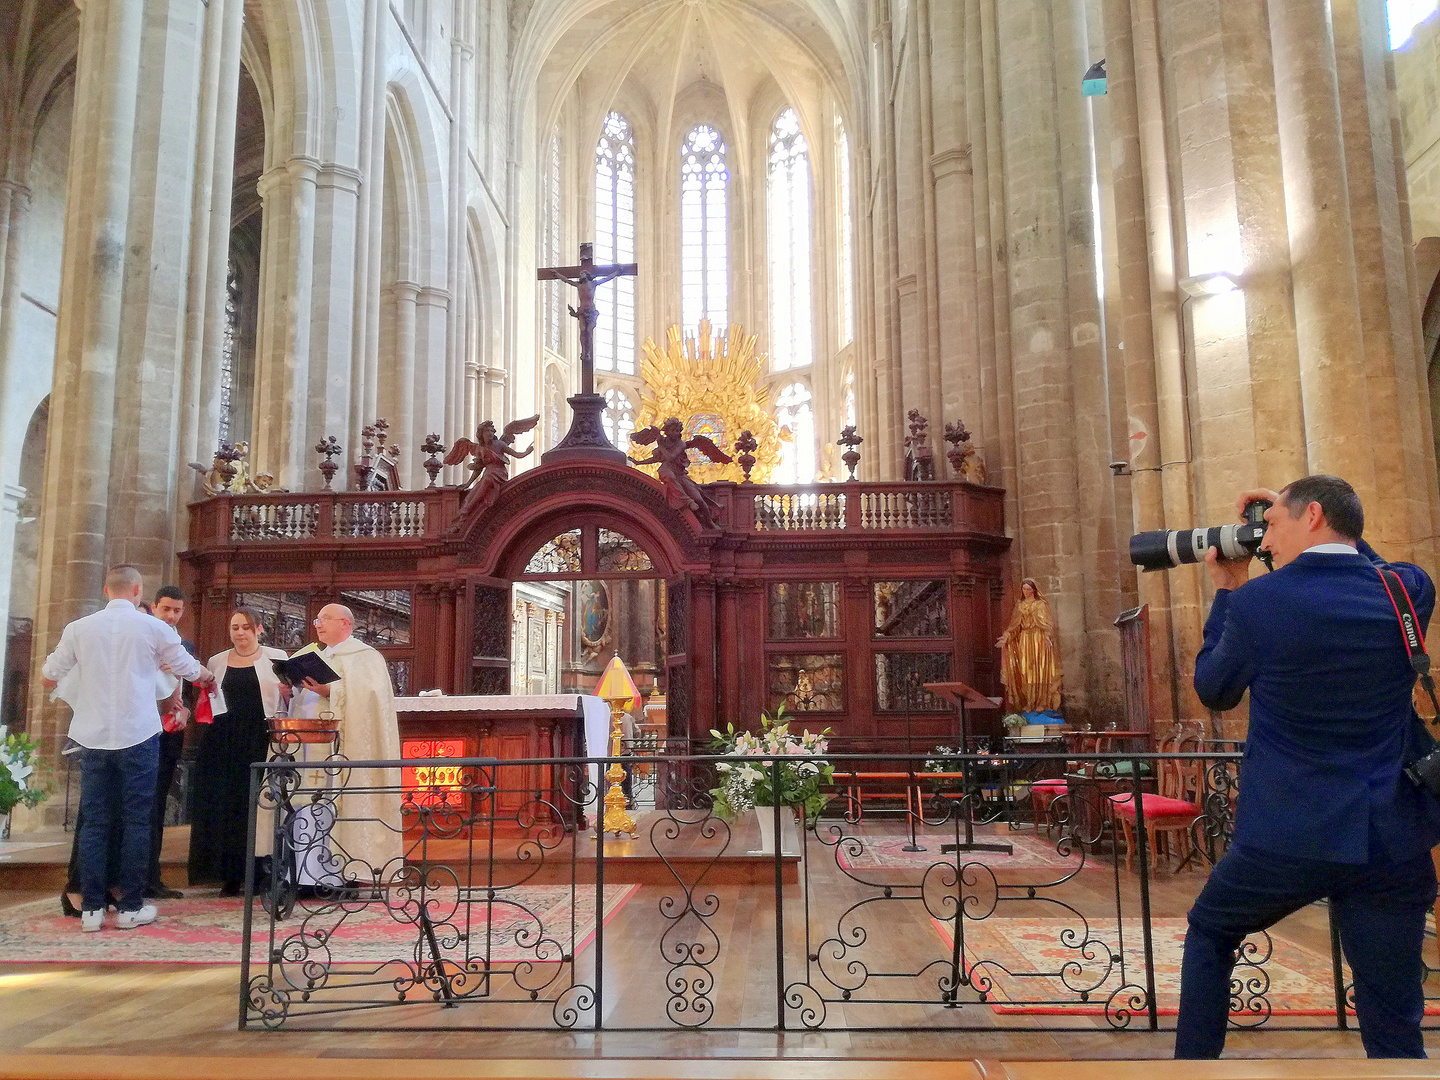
<point>1120,468</point>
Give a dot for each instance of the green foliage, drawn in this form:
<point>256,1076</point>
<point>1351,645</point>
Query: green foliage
<point>778,768</point>
<point>18,783</point>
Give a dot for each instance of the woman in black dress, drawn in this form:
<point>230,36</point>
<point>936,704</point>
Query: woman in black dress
<point>248,694</point>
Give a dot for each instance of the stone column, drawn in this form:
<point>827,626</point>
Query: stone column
<point>404,376</point>
<point>210,252</point>
<point>110,469</point>
<point>331,321</point>
<point>1339,435</point>
<point>432,406</point>
<point>885,263</point>
<point>282,354</point>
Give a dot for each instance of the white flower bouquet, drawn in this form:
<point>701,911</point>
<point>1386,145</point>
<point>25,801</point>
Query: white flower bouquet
<point>778,767</point>
<point>18,754</point>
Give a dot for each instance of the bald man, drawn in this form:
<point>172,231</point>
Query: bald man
<point>367,833</point>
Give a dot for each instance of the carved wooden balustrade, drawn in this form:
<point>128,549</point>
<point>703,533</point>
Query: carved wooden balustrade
<point>346,518</point>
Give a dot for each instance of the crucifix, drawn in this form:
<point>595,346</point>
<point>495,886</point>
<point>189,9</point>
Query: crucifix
<point>586,436</point>
<point>585,277</point>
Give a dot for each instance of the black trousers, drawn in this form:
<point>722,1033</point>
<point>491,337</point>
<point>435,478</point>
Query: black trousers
<point>1380,908</point>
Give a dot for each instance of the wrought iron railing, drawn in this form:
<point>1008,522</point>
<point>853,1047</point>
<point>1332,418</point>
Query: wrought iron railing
<point>898,908</point>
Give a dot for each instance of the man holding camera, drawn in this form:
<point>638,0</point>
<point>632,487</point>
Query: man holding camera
<point>1325,810</point>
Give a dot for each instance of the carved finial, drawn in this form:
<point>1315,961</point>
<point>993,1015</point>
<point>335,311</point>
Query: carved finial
<point>850,441</point>
<point>329,447</point>
<point>747,444</point>
<point>964,458</point>
<point>919,458</point>
<point>433,447</point>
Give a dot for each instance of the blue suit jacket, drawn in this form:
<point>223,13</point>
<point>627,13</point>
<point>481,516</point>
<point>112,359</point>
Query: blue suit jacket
<point>1318,645</point>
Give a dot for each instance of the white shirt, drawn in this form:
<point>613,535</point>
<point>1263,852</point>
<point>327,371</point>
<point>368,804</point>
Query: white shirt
<point>116,654</point>
<point>1331,549</point>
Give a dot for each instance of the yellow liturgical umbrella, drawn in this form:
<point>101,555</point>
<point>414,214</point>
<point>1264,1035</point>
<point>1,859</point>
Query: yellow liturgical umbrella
<point>617,685</point>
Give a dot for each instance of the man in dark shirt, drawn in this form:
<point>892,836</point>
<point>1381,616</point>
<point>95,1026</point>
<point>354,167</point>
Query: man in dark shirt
<point>169,607</point>
<point>1324,808</point>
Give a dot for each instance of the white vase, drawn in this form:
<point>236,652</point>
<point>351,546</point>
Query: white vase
<point>789,840</point>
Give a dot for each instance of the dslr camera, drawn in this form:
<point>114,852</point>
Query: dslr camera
<point>1165,549</point>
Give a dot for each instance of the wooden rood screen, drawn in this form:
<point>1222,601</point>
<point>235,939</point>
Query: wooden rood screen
<point>839,601</point>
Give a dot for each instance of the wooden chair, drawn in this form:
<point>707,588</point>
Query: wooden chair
<point>1173,810</point>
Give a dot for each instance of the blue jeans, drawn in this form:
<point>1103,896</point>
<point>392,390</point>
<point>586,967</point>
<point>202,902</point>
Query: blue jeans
<point>117,791</point>
<point>1379,907</point>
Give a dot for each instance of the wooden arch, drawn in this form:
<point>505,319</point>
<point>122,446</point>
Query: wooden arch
<point>541,503</point>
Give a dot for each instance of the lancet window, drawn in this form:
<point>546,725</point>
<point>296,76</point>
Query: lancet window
<point>551,246</point>
<point>788,216</point>
<point>847,239</point>
<point>793,409</point>
<point>615,243</point>
<point>704,266</point>
<point>227,351</point>
<point>619,418</point>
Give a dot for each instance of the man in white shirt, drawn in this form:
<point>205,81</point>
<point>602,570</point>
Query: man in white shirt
<point>116,653</point>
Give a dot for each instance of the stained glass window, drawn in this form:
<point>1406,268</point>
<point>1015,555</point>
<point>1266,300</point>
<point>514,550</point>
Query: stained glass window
<point>615,243</point>
<point>704,283</point>
<point>804,609</point>
<point>788,217</point>
<point>550,254</point>
<point>618,419</point>
<point>847,239</point>
<point>797,457</point>
<point>227,351</point>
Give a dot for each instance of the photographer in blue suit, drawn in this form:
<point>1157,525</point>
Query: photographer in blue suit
<point>1324,808</point>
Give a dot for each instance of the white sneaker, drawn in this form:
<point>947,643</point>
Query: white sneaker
<point>128,920</point>
<point>90,921</point>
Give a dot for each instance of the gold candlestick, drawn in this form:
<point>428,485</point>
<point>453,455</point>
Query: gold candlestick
<point>617,817</point>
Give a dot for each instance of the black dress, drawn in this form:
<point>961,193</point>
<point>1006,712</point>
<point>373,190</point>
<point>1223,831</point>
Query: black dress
<point>220,796</point>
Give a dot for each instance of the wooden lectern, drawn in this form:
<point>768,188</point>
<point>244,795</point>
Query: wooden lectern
<point>964,695</point>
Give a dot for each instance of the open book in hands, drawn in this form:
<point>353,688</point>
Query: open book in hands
<point>294,671</point>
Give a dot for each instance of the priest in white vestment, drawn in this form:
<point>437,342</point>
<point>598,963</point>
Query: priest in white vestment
<point>363,700</point>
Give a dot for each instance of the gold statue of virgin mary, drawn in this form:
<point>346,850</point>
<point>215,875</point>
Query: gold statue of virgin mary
<point>712,386</point>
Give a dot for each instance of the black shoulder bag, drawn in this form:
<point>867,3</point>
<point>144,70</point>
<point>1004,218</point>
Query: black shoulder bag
<point>1422,753</point>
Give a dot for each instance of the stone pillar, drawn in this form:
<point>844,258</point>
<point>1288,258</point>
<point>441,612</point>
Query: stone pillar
<point>1339,436</point>
<point>432,405</point>
<point>196,438</point>
<point>369,213</point>
<point>109,482</point>
<point>885,262</point>
<point>282,354</point>
<point>330,362</point>
<point>404,377</point>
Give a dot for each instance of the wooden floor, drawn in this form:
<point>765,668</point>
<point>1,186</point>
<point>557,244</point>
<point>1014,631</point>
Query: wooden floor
<point>76,1016</point>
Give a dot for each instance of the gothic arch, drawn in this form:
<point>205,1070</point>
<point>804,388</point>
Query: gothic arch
<point>315,79</point>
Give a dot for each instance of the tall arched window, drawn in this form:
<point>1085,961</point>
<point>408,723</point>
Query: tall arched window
<point>615,243</point>
<point>550,253</point>
<point>227,351</point>
<point>619,418</point>
<point>797,457</point>
<point>704,276</point>
<point>788,214</point>
<point>847,239</point>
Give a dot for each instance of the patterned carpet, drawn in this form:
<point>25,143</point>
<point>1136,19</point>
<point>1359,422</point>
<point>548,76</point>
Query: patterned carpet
<point>862,850</point>
<point>1023,961</point>
<point>531,922</point>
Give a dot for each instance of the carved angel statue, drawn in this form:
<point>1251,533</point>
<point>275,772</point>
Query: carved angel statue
<point>672,454</point>
<point>230,474</point>
<point>488,454</point>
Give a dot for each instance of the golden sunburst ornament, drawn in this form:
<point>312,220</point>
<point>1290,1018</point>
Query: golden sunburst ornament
<point>712,385</point>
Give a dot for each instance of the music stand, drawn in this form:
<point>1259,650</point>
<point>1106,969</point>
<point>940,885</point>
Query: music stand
<point>963,694</point>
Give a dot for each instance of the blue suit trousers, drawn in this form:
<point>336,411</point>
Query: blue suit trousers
<point>1379,907</point>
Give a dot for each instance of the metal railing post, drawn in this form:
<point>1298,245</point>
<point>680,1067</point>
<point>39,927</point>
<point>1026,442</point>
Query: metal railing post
<point>1146,931</point>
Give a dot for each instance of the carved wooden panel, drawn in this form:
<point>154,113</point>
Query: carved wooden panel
<point>490,637</point>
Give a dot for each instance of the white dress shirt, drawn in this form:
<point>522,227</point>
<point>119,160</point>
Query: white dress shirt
<point>1331,549</point>
<point>116,653</point>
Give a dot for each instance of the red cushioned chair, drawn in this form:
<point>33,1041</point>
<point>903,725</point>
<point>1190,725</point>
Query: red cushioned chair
<point>1042,794</point>
<point>1171,812</point>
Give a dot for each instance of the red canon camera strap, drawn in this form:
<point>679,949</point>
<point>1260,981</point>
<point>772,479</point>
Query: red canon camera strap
<point>1410,632</point>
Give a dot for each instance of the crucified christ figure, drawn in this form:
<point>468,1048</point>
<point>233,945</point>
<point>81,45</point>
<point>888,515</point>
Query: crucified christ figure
<point>586,277</point>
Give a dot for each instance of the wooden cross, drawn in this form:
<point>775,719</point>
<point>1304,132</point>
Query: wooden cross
<point>585,277</point>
